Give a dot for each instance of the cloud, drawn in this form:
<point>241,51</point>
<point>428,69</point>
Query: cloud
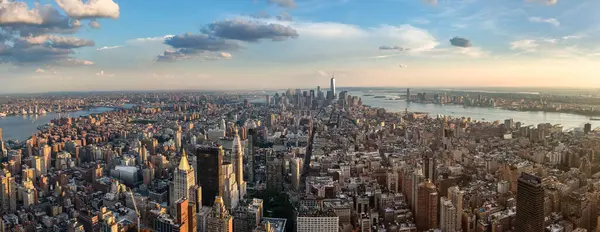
<point>572,37</point>
<point>402,65</point>
<point>104,74</point>
<point>524,45</point>
<point>431,2</point>
<point>285,16</point>
<point>150,39</point>
<point>91,9</point>
<point>261,15</point>
<point>39,70</point>
<point>94,24</point>
<point>109,48</point>
<point>77,62</point>
<point>250,31</point>
<point>201,42</point>
<point>172,55</point>
<point>57,41</point>
<point>460,42</point>
<point>225,55</point>
<point>396,48</point>
<point>18,13</point>
<point>283,3</point>
<point>547,2</point>
<point>551,21</point>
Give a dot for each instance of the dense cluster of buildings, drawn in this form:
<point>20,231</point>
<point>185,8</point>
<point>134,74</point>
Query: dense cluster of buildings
<point>298,161</point>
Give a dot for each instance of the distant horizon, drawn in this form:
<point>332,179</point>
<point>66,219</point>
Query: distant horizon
<point>323,88</point>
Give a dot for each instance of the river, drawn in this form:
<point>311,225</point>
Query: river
<point>22,126</point>
<point>568,121</point>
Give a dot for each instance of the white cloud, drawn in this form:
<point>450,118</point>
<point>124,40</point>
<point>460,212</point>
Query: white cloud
<point>104,74</point>
<point>551,21</point>
<point>524,45</point>
<point>18,12</point>
<point>109,47</point>
<point>94,24</point>
<point>402,65</point>
<point>150,39</point>
<point>547,2</point>
<point>90,9</point>
<point>225,55</point>
<point>39,70</point>
<point>572,37</point>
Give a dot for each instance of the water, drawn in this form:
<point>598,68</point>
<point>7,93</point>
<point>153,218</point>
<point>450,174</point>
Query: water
<point>476,113</point>
<point>22,126</point>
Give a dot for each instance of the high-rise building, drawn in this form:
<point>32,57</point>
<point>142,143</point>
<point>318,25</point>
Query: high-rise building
<point>248,215</point>
<point>587,128</point>
<point>408,95</point>
<point>183,182</point>
<point>455,195</point>
<point>252,139</point>
<point>447,215</point>
<point>238,164</point>
<point>268,100</point>
<point>427,206</point>
<point>530,204</point>
<point>210,172</point>
<point>8,192</point>
<point>274,174</point>
<point>231,194</point>
<point>296,168</point>
<point>219,219</point>
<point>333,88</point>
<point>178,139</point>
<point>181,215</point>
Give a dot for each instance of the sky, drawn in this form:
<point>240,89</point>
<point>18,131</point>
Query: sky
<point>75,45</point>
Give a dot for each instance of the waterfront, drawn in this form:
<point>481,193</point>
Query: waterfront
<point>568,121</point>
<point>22,126</point>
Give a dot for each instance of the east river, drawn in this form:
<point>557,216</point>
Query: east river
<point>21,127</point>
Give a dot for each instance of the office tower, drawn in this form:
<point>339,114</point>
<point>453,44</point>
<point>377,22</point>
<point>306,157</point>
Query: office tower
<point>296,168</point>
<point>447,215</point>
<point>45,154</point>
<point>274,174</point>
<point>587,128</point>
<point>429,166</point>
<point>110,224</point>
<point>417,177</point>
<point>530,204</point>
<point>219,219</point>
<point>455,195</point>
<point>192,217</point>
<point>238,164</point>
<point>268,100</point>
<point>231,194</point>
<point>8,192</point>
<point>248,215</point>
<point>509,123</point>
<point>427,206</point>
<point>408,95</point>
<point>178,139</point>
<point>210,172</point>
<point>181,215</point>
<point>252,139</point>
<point>183,182</point>
<point>333,88</point>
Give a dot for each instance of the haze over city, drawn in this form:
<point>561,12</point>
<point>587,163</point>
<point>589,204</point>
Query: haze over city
<point>142,45</point>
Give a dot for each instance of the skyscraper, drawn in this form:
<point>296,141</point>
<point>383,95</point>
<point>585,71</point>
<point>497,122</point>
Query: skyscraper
<point>210,172</point>
<point>231,195</point>
<point>182,214</point>
<point>8,193</point>
<point>407,95</point>
<point>455,195</point>
<point>219,219</point>
<point>333,87</point>
<point>447,215</point>
<point>183,182</point>
<point>238,164</point>
<point>530,204</point>
<point>427,206</point>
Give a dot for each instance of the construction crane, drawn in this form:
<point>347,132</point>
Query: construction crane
<point>136,210</point>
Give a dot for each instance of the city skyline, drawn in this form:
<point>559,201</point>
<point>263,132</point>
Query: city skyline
<point>71,45</point>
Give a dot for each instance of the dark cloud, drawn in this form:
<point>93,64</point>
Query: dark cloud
<point>250,31</point>
<point>460,42</point>
<point>396,48</point>
<point>172,55</point>
<point>201,42</point>
<point>69,42</point>
<point>285,16</point>
<point>44,49</point>
<point>283,3</point>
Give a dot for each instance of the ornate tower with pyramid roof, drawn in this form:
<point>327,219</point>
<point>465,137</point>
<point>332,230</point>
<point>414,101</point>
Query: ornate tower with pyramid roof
<point>183,181</point>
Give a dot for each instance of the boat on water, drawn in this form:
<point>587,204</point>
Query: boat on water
<point>2,114</point>
<point>595,118</point>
